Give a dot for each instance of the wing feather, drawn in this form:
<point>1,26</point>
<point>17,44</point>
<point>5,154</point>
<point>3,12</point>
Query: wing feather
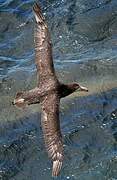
<point>51,130</point>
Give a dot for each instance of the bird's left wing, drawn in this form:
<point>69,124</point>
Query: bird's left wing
<point>51,130</point>
<point>43,47</point>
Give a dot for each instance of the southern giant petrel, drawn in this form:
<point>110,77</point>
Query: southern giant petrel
<point>48,92</point>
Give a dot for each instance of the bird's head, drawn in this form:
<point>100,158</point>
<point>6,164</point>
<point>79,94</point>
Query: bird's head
<point>76,87</point>
<point>67,89</point>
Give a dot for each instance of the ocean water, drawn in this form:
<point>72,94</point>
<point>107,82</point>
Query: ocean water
<point>84,37</point>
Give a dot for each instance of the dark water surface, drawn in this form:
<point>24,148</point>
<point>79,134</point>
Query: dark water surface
<point>84,35</point>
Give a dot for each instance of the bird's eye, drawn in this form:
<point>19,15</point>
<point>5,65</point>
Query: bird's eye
<point>76,86</point>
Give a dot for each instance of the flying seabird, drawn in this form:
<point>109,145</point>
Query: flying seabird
<point>48,92</point>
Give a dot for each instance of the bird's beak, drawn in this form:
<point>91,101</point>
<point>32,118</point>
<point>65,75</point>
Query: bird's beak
<point>82,88</point>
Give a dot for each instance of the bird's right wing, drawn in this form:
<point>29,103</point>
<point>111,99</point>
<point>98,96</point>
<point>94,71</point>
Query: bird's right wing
<point>51,130</point>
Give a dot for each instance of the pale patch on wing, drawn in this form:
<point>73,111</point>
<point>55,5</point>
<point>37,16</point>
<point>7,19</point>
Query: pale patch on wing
<point>37,19</point>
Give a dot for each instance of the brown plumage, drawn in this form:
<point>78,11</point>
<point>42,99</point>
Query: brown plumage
<point>48,92</point>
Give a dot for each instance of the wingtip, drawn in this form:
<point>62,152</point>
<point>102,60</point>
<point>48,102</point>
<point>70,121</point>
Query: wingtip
<point>57,164</point>
<point>38,13</point>
<point>36,7</point>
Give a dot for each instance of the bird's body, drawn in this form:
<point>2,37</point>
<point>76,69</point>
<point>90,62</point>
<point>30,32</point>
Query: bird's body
<point>48,92</point>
